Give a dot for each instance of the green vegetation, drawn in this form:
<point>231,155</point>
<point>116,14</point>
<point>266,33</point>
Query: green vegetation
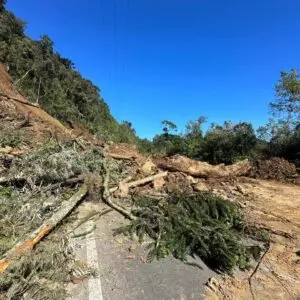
<point>26,202</point>
<point>231,142</point>
<point>9,139</point>
<point>202,225</point>
<point>47,78</point>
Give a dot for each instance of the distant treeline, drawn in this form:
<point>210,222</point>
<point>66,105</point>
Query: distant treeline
<point>230,142</point>
<point>47,78</point>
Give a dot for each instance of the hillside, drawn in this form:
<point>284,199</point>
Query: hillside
<point>43,76</point>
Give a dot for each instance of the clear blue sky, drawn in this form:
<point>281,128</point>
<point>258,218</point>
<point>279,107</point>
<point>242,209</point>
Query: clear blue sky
<point>174,59</point>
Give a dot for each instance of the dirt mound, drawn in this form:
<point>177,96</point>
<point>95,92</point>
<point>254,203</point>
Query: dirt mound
<point>202,169</point>
<point>19,117</point>
<point>122,151</point>
<point>274,168</point>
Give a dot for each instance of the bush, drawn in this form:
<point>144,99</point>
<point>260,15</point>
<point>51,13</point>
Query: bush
<point>9,139</point>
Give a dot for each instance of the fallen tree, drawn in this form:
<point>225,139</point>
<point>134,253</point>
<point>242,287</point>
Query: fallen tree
<point>202,225</point>
<point>125,186</point>
<point>33,238</point>
<point>202,169</point>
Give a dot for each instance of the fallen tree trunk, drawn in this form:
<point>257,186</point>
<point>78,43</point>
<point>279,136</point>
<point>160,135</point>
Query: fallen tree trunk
<point>125,186</point>
<point>202,169</point>
<point>119,156</point>
<point>19,100</point>
<point>9,180</point>
<point>37,235</point>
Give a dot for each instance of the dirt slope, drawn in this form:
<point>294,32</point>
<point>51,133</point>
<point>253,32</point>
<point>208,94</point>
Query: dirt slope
<point>14,113</point>
<point>274,206</point>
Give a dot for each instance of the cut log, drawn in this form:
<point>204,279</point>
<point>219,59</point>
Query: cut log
<point>54,186</point>
<point>119,156</point>
<point>127,185</point>
<point>195,168</point>
<point>18,100</point>
<point>33,238</point>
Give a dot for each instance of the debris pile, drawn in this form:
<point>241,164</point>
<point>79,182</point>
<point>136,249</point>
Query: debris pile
<point>176,201</point>
<point>39,190</point>
<point>202,169</point>
<point>274,168</point>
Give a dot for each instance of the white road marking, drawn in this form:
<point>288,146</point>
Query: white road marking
<point>94,284</point>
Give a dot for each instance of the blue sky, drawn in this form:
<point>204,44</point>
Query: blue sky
<point>174,59</point>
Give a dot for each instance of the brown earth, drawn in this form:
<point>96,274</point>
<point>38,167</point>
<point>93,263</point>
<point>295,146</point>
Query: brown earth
<point>274,168</point>
<point>31,122</point>
<point>274,206</point>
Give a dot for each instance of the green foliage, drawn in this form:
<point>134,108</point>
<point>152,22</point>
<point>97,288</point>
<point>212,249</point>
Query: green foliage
<point>145,146</point>
<point>283,139</point>
<point>48,164</point>
<point>168,126</point>
<point>9,139</point>
<point>5,192</point>
<point>283,134</point>
<point>287,103</point>
<point>228,143</point>
<point>169,144</point>
<point>127,133</point>
<point>220,144</point>
<point>202,225</point>
<point>44,76</point>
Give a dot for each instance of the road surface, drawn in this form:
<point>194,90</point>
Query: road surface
<point>123,273</point>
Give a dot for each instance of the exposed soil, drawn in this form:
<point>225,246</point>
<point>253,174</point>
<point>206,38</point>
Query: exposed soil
<point>32,123</point>
<point>274,206</point>
<point>274,168</point>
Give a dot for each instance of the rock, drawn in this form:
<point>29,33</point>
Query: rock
<point>123,190</point>
<point>241,189</point>
<point>192,179</point>
<point>148,167</point>
<point>158,183</point>
<point>201,187</point>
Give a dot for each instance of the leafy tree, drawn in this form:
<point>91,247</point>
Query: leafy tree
<point>145,146</point>
<point>282,133</point>
<point>168,126</point>
<point>168,143</point>
<point>194,138</point>
<point>228,143</point>
<point>287,103</point>
<point>2,4</point>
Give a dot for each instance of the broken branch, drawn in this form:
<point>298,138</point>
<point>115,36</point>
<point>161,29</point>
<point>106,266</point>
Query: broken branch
<point>37,235</point>
<point>108,198</point>
<point>125,185</point>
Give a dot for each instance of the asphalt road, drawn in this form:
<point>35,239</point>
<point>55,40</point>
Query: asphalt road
<point>123,273</point>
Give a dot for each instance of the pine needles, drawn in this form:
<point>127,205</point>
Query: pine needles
<point>202,225</point>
